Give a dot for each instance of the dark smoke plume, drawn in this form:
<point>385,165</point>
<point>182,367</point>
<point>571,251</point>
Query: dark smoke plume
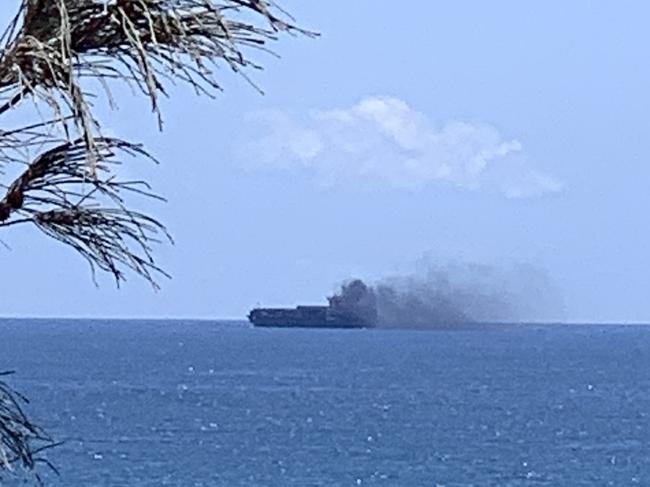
<point>461,294</point>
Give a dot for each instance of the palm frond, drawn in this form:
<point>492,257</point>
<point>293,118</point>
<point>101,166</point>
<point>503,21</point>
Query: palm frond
<point>88,211</point>
<point>21,441</point>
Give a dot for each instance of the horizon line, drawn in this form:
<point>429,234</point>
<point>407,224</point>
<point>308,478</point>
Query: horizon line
<point>244,319</point>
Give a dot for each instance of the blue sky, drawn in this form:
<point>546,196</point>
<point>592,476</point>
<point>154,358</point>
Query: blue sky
<point>496,132</point>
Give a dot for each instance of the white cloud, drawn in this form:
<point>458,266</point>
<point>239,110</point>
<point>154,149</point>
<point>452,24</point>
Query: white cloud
<point>383,142</point>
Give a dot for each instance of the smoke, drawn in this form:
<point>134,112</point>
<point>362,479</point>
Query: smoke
<point>456,294</point>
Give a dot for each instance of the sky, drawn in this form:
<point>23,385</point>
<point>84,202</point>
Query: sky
<point>499,133</point>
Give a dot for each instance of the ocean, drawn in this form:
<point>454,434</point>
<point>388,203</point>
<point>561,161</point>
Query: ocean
<point>187,403</point>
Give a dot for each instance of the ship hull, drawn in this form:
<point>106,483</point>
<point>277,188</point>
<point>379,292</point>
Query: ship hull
<point>302,324</point>
<point>353,307</point>
<point>301,317</point>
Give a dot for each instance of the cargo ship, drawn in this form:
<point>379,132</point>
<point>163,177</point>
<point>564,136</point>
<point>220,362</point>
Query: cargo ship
<point>353,307</point>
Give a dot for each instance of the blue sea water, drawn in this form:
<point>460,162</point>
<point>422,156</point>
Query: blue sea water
<point>182,403</point>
